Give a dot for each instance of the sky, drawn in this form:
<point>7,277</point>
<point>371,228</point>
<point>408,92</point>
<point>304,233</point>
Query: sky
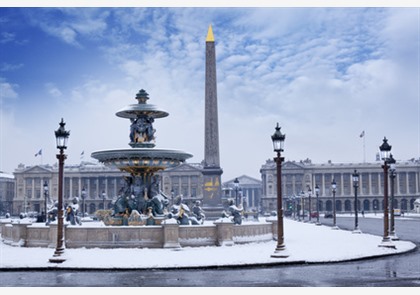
<point>325,74</point>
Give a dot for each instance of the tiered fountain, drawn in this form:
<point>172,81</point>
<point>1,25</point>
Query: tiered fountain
<point>141,202</point>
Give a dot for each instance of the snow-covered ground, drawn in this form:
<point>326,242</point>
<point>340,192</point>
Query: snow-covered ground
<point>305,242</point>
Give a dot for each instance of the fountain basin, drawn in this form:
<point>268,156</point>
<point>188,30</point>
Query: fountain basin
<point>136,160</point>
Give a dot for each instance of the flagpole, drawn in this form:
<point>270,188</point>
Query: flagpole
<point>364,148</point>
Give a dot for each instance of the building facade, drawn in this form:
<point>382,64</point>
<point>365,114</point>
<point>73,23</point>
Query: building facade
<point>299,180</point>
<point>101,184</point>
<point>7,192</point>
<point>247,193</point>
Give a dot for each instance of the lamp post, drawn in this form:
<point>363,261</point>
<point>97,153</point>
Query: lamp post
<point>61,136</point>
<point>317,204</point>
<point>103,199</point>
<point>355,177</point>
<point>236,185</point>
<point>278,143</point>
<point>310,203</point>
<point>45,201</point>
<point>83,199</point>
<point>334,189</point>
<point>385,150</point>
<point>302,206</point>
<point>392,175</point>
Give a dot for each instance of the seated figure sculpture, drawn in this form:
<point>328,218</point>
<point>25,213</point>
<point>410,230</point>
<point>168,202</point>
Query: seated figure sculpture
<point>198,215</point>
<point>235,213</point>
<point>180,211</point>
<point>71,212</point>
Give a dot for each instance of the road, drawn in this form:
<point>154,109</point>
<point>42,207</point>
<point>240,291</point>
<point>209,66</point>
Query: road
<point>392,271</point>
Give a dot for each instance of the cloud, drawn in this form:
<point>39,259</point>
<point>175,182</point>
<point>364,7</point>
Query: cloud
<point>324,74</point>
<point>7,90</point>
<point>53,90</point>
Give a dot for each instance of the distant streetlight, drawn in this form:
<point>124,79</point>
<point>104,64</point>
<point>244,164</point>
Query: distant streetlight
<point>45,200</point>
<point>334,189</point>
<point>310,203</point>
<point>302,201</point>
<point>236,185</point>
<point>278,143</point>
<point>103,199</point>
<point>356,214</point>
<point>61,136</point>
<point>385,150</point>
<point>317,204</point>
<point>392,175</point>
<point>83,199</point>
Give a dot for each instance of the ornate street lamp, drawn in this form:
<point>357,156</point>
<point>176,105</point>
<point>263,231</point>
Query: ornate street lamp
<point>317,204</point>
<point>355,177</point>
<point>103,199</point>
<point>334,189</point>
<point>392,175</point>
<point>61,136</point>
<point>236,185</point>
<point>83,199</point>
<point>278,143</point>
<point>45,200</point>
<point>302,206</point>
<point>310,203</point>
<point>385,150</point>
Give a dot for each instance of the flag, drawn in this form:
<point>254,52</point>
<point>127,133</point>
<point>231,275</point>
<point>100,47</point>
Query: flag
<point>39,153</point>
<point>362,134</point>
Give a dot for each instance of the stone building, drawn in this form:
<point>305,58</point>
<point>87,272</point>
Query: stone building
<point>298,177</point>
<point>101,184</point>
<point>7,192</point>
<point>249,192</point>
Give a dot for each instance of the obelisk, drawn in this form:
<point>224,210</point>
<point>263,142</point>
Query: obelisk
<point>212,194</point>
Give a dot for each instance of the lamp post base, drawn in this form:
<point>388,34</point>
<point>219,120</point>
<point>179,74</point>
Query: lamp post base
<point>57,258</point>
<point>393,237</point>
<point>280,253</point>
<point>356,231</point>
<point>387,243</point>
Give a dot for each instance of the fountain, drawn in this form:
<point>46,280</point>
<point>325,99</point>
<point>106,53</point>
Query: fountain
<point>141,202</point>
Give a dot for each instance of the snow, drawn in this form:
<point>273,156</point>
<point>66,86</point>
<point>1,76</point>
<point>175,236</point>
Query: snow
<point>305,242</point>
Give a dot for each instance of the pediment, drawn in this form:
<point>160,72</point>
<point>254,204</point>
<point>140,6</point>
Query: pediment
<point>292,165</point>
<point>244,180</point>
<point>38,169</point>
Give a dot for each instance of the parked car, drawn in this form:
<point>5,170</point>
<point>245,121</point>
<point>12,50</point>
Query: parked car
<point>328,215</point>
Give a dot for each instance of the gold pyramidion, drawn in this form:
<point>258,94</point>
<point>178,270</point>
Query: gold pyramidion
<point>210,37</point>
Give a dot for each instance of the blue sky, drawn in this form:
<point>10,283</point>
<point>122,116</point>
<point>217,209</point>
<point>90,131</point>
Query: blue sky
<point>325,74</point>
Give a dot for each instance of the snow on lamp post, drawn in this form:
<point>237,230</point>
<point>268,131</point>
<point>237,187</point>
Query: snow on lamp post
<point>317,205</point>
<point>334,189</point>
<point>236,185</point>
<point>385,150</point>
<point>278,143</point>
<point>61,136</point>
<point>45,199</point>
<point>392,175</point>
<point>355,177</point>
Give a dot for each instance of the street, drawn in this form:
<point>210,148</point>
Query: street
<point>396,271</point>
